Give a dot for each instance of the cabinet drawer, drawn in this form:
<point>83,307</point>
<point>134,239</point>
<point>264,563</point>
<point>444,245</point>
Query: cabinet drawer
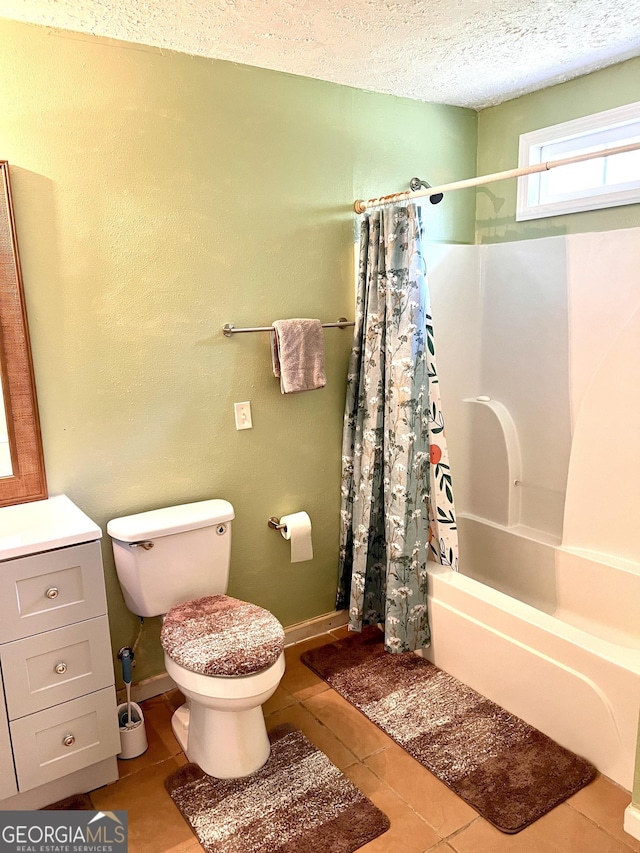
<point>60,740</point>
<point>51,668</point>
<point>52,589</point>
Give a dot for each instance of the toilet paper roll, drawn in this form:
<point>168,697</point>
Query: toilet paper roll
<point>298,532</point>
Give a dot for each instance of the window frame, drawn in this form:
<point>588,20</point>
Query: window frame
<point>606,124</point>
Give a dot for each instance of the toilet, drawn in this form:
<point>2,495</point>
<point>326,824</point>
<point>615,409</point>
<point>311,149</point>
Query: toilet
<point>225,655</point>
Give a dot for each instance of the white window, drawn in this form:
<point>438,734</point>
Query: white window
<point>591,184</point>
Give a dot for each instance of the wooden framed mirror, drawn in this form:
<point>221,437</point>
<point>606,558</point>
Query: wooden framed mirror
<point>22,475</point>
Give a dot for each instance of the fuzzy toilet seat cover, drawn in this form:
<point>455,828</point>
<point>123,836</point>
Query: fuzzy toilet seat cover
<point>220,635</point>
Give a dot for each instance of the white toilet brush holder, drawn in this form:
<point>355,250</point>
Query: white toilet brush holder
<point>133,735</point>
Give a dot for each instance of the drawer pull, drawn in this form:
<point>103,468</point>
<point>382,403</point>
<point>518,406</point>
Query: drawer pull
<point>69,740</point>
<point>52,592</point>
<point>61,668</point>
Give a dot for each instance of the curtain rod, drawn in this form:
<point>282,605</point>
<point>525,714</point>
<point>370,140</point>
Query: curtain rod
<point>360,205</point>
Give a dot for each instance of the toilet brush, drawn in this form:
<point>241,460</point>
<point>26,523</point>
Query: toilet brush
<point>133,737</point>
<point>126,656</point>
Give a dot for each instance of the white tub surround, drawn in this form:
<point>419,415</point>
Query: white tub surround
<point>539,362</point>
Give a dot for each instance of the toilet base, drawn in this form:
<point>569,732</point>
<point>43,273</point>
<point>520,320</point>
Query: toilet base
<point>224,744</point>
<point>180,725</point>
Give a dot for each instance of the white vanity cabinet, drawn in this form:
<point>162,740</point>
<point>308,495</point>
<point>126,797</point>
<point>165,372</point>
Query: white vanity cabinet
<point>59,732</point>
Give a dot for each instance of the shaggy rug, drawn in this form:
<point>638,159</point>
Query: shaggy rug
<point>299,801</point>
<point>511,773</point>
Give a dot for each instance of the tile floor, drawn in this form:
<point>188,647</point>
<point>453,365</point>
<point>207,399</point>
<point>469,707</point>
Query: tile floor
<point>424,814</point>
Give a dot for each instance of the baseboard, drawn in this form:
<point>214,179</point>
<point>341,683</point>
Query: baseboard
<point>632,821</point>
<point>316,626</point>
<point>162,683</point>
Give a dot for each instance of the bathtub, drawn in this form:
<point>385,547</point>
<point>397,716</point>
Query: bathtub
<point>549,633</point>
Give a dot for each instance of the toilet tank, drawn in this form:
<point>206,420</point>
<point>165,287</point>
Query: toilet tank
<point>171,555</point>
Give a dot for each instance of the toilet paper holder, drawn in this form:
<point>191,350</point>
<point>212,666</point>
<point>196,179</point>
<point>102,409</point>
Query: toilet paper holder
<point>274,524</point>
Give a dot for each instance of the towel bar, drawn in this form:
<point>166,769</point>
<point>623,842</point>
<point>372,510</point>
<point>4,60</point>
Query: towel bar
<point>229,329</point>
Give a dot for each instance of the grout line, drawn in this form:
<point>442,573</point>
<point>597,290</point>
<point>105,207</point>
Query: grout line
<point>357,760</point>
<point>461,829</point>
<point>601,827</point>
<point>436,845</point>
<point>421,816</point>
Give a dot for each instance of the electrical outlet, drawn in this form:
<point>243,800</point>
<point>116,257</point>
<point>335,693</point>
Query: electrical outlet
<point>242,412</point>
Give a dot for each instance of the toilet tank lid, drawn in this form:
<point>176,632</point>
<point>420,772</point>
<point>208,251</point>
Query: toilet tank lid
<point>168,520</point>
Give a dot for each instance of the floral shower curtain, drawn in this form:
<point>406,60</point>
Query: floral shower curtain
<point>397,500</point>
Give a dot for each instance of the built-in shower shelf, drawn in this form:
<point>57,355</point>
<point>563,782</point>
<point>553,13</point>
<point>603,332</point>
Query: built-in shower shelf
<point>522,530</point>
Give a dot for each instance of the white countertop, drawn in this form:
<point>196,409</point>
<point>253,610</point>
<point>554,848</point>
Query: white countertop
<point>43,525</point>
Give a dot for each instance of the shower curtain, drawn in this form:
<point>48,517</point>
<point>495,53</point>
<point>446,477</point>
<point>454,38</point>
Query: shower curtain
<point>397,500</point>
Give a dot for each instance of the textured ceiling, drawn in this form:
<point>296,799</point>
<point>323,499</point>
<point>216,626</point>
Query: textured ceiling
<point>470,53</point>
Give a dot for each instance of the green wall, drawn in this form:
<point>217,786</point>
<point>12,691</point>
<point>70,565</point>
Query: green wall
<point>159,196</point>
<point>499,129</point>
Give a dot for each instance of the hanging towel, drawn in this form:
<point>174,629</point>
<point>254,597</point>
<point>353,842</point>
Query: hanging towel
<point>297,353</point>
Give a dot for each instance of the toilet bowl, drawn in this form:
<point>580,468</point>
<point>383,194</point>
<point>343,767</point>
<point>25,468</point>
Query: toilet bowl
<point>221,727</point>
<point>227,657</point>
<point>224,654</point>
